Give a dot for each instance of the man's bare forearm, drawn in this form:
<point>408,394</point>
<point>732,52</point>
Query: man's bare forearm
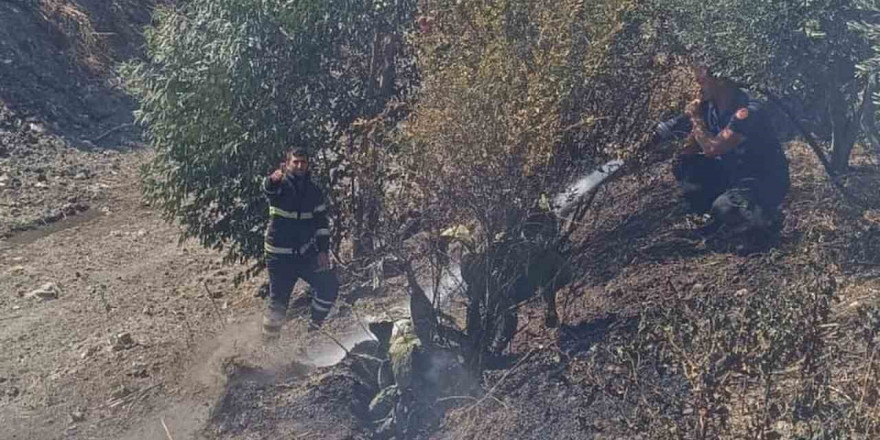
<point>701,136</point>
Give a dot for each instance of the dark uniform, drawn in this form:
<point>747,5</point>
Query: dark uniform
<point>298,229</point>
<point>745,186</point>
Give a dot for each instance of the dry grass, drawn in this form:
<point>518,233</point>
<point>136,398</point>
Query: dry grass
<point>73,21</point>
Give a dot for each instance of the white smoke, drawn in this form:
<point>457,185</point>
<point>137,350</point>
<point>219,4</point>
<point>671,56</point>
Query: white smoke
<point>451,282</point>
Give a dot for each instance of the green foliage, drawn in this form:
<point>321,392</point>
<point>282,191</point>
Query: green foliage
<point>230,85</point>
<point>782,46</point>
<point>801,51</point>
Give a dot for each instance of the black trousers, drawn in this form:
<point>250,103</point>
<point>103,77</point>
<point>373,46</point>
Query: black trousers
<point>286,270</point>
<point>707,188</point>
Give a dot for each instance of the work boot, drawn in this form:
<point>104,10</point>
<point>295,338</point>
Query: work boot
<point>273,320</point>
<point>314,327</point>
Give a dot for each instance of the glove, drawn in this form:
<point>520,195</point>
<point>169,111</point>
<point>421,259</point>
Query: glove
<point>678,126</point>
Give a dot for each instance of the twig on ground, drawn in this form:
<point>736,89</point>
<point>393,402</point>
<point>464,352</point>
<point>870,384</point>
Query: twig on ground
<point>213,303</point>
<point>502,380</point>
<point>167,432</point>
<point>140,396</point>
<point>111,131</point>
<point>446,399</point>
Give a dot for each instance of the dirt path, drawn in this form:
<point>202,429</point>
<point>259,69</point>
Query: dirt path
<point>133,332</point>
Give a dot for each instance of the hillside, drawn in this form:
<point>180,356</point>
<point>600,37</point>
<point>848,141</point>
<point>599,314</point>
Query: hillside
<point>114,328</point>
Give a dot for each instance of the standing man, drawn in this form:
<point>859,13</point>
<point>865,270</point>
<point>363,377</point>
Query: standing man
<point>733,166</point>
<point>297,243</point>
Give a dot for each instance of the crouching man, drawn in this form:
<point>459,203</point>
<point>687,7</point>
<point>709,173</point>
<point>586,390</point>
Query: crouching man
<point>297,243</point>
<point>734,167</point>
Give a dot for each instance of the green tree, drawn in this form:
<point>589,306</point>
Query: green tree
<point>230,85</point>
<point>801,51</point>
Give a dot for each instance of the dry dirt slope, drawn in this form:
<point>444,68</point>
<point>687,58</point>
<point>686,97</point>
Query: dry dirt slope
<point>131,324</point>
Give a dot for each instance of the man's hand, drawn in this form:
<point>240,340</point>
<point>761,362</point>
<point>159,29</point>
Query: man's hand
<point>278,174</point>
<point>323,261</point>
<point>691,146</point>
<point>693,109</point>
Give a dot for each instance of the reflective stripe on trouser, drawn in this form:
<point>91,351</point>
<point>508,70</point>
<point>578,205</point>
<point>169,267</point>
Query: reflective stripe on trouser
<point>284,271</point>
<point>287,251</point>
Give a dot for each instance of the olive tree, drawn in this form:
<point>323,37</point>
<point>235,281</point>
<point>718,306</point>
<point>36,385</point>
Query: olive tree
<point>801,51</point>
<point>229,85</point>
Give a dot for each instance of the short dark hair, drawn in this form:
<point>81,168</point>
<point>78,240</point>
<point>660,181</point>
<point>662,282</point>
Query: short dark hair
<point>298,152</point>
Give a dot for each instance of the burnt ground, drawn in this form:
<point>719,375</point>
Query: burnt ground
<point>636,259</point>
<point>584,380</point>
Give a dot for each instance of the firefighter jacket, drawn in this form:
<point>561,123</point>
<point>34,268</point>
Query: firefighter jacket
<point>297,217</point>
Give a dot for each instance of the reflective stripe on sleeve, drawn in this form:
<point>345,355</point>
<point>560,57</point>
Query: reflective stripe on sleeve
<point>321,208</point>
<point>323,232</point>
<point>291,215</point>
<point>281,213</point>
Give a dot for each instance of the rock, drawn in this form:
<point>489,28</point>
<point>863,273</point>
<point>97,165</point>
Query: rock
<point>46,292</point>
<point>81,176</point>
<point>17,270</point>
<point>141,233</point>
<point>698,288</point>
<point>2,379</point>
<point>36,128</point>
<point>121,392</point>
<point>77,416</point>
<point>73,208</point>
<point>742,292</point>
<point>13,392</point>
<point>139,369</point>
<point>89,352</point>
<point>121,341</point>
